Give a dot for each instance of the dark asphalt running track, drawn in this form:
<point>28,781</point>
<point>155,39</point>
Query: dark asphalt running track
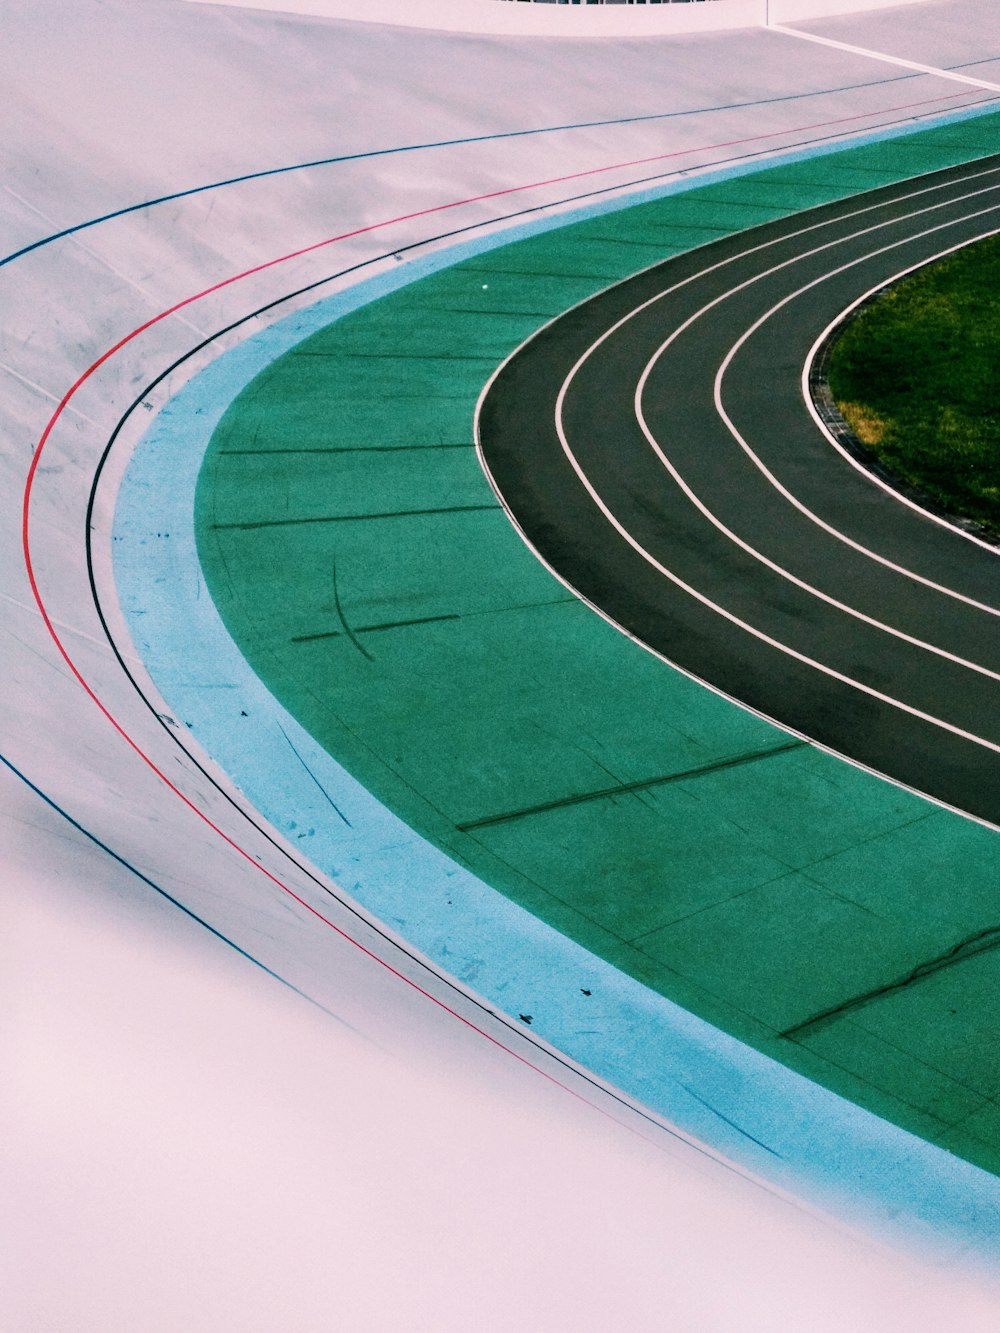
<point>888,654</point>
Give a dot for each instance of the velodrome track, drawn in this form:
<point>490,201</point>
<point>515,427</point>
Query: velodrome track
<point>733,541</point>
<point>89,792</point>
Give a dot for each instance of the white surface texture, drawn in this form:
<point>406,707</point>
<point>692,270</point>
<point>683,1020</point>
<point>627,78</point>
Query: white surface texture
<point>551,20</point>
<point>186,1143</point>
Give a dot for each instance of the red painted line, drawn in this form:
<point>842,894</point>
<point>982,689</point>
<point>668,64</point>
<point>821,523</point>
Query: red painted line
<point>227,282</point>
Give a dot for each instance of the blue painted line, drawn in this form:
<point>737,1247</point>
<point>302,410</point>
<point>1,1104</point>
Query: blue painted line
<point>421,147</point>
<point>175,902</point>
<point>722,1092</point>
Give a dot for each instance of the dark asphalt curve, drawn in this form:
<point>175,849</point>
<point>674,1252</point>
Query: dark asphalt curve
<point>655,448</point>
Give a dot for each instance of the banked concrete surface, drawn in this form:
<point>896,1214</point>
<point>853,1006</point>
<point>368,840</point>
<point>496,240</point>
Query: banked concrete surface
<point>113,105</point>
<point>550,20</point>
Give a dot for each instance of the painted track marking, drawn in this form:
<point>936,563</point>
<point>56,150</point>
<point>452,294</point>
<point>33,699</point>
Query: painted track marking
<point>689,492</point>
<point>858,546</point>
<point>716,607</point>
<point>935,70</point>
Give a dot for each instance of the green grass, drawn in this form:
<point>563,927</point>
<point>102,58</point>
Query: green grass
<point>916,376</point>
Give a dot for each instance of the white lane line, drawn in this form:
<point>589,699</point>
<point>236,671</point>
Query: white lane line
<point>674,578</point>
<point>752,550</point>
<point>647,556</point>
<point>33,612</point>
<point>677,666</point>
<point>881,55</point>
<point>858,466</point>
<point>38,388</point>
<point>623,629</point>
<point>848,541</point>
<point>735,620</point>
<point>769,475</point>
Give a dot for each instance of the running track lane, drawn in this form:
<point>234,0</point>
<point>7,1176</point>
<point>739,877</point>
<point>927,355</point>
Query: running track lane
<point>699,556</point>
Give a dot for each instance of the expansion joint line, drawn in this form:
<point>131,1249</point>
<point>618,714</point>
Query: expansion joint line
<point>888,59</point>
<point>632,788</point>
<point>981,942</point>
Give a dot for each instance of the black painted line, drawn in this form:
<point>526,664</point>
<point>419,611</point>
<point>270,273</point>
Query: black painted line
<point>480,312</point>
<point>525,606</point>
<point>311,638</point>
<point>345,449</point>
<point>582,276</point>
<point>780,209</point>
<point>423,397</point>
<point>694,226</point>
<point>404,357</point>
<point>429,620</point>
<point>401,624</point>
<point>316,782</point>
<point>981,942</point>
<point>343,619</point>
<point>353,518</point>
<point>627,788</point>
<point>174,902</point>
<point>623,240</point>
<point>731,1123</point>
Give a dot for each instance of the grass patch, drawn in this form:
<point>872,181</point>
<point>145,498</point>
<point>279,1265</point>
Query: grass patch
<point>917,377</point>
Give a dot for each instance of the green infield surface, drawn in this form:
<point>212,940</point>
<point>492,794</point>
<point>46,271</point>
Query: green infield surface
<point>360,560</point>
<point>916,376</point>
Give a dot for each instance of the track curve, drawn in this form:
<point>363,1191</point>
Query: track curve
<point>654,447</point>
